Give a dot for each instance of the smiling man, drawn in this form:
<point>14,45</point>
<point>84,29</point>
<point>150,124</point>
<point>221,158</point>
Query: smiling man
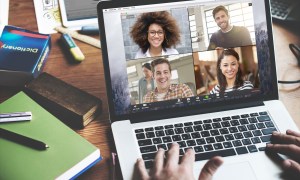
<point>164,90</point>
<point>227,36</point>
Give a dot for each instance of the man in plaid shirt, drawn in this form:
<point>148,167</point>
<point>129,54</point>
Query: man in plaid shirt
<point>164,90</point>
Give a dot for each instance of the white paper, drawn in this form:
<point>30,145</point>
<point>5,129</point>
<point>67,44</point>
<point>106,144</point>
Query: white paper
<point>47,15</point>
<point>4,6</point>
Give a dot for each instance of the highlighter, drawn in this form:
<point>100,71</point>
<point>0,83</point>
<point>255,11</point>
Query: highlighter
<point>74,49</point>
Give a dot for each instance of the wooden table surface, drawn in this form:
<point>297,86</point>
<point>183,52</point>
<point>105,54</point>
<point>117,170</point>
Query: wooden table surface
<point>89,76</point>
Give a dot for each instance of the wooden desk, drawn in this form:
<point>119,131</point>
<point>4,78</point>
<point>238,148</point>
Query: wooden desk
<point>89,76</point>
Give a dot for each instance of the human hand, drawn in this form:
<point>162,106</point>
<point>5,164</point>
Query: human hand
<point>171,169</point>
<point>287,144</point>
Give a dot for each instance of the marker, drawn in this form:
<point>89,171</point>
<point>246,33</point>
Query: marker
<point>74,49</point>
<point>26,141</point>
<point>15,116</point>
<point>90,30</point>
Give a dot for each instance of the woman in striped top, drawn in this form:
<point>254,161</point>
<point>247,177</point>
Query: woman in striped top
<point>229,73</point>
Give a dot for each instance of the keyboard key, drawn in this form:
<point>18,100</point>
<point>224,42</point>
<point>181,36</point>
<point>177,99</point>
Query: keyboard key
<point>150,134</point>
<point>217,119</point>
<point>251,126</point>
<point>241,150</point>
<point>268,131</point>
<point>229,137</point>
<point>207,126</point>
<point>224,131</point>
<point>200,141</point>
<point>269,124</point>
<point>208,155</point>
<point>253,114</point>
<point>263,113</point>
<point>210,140</point>
<point>220,138</point>
<point>242,128</point>
<point>262,148</point>
<point>195,135</point>
<point>214,132</point>
<point>188,124</point>
<point>140,136</point>
<point>198,149</point>
<point>255,140</point>
<point>225,124</point>
<point>188,129</point>
<point>178,125</point>
<point>198,122</point>
<point>233,130</point>
<point>157,140</point>
<point>148,164</point>
<point>265,138</point>
<point>235,122</point>
<point>252,148</point>
<point>260,125</point>
<point>186,136</point>
<point>169,132</point>
<point>226,118</point>
<point>198,128</point>
<point>227,144</point>
<point>245,116</point>
<point>252,120</point>
<point>235,117</point>
<point>139,130</point>
<point>247,134</point>
<point>205,133</point>
<point>147,149</point>
<point>256,133</point>
<point>237,143</point>
<point>159,133</point>
<point>263,118</point>
<point>163,146</point>
<point>182,144</point>
<point>218,146</point>
<point>244,121</point>
<point>207,121</point>
<point>208,147</point>
<point>149,156</point>
<point>181,152</point>
<point>159,128</point>
<point>145,142</point>
<point>246,141</point>
<point>216,125</point>
<point>169,126</point>
<point>149,129</point>
<point>191,143</point>
<point>238,136</point>
<point>167,139</point>
<point>176,138</point>
<point>179,131</point>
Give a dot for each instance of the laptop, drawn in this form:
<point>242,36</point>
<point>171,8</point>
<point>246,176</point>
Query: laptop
<point>235,124</point>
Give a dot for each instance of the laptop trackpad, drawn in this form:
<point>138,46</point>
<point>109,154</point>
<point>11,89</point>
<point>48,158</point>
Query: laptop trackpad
<point>241,170</point>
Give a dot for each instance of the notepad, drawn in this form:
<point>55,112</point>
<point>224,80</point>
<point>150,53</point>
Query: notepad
<point>68,154</point>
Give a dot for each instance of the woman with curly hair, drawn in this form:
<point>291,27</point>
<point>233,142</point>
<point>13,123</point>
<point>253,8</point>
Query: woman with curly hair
<point>229,73</point>
<point>155,33</point>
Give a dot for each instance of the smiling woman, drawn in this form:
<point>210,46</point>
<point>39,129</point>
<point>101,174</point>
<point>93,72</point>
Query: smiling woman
<point>155,33</point>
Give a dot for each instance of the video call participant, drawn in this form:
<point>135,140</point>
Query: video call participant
<point>146,83</point>
<point>229,73</point>
<point>164,90</point>
<point>155,33</point>
<point>228,36</point>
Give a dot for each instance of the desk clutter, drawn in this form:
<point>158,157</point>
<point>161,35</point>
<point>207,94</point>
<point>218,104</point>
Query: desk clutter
<point>67,154</point>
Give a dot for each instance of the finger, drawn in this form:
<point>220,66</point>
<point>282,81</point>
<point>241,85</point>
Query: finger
<point>210,168</point>
<point>189,158</point>
<point>279,138</point>
<point>173,156</point>
<point>291,166</point>
<point>140,166</point>
<point>290,150</point>
<point>159,160</point>
<point>292,133</point>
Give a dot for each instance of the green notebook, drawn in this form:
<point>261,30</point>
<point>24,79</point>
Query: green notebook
<point>68,154</point>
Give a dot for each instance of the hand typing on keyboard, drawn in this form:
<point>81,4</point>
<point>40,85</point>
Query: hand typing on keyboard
<point>287,144</point>
<point>172,169</point>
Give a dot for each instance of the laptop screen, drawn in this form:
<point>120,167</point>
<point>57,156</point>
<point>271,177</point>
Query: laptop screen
<point>172,57</point>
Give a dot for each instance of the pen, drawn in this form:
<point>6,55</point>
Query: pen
<point>15,116</point>
<point>26,141</point>
<point>74,49</point>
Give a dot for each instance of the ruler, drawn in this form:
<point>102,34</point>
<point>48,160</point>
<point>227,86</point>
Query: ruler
<point>87,39</point>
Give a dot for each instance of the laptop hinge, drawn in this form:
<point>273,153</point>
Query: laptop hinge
<point>145,117</point>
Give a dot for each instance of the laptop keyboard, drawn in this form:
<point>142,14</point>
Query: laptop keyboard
<point>224,136</point>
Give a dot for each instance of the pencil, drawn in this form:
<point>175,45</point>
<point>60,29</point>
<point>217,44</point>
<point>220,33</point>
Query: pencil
<point>20,139</point>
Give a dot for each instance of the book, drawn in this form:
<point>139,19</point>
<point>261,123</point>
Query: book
<point>73,106</point>
<point>68,154</point>
<point>23,54</point>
